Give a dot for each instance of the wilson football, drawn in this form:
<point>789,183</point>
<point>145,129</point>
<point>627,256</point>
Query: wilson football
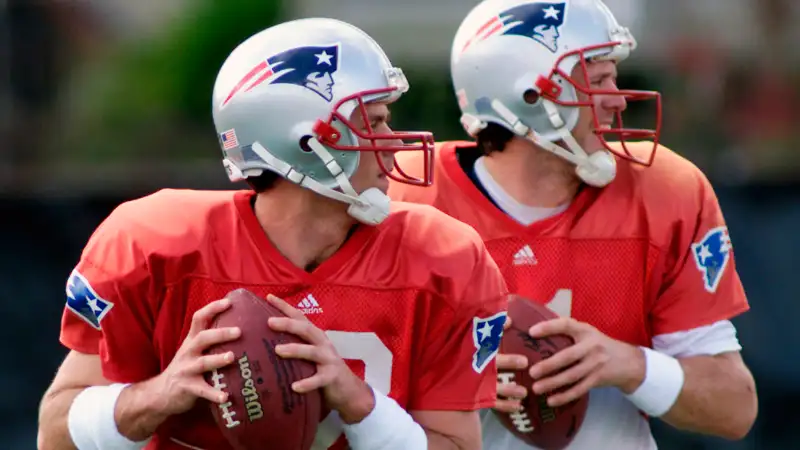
<point>537,424</point>
<point>262,409</point>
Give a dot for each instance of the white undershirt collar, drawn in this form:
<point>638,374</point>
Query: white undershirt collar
<point>523,214</point>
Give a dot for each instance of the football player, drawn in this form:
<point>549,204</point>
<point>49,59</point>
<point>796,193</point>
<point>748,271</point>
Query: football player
<point>301,110</point>
<point>623,239</point>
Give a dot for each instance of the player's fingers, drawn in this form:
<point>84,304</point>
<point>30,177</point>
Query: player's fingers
<point>287,309</point>
<point>507,323</point>
<point>301,328</point>
<point>308,352</point>
<point>560,360</point>
<point>203,316</point>
<point>575,392</point>
<point>207,363</point>
<point>567,377</point>
<point>507,405</point>
<point>511,391</point>
<point>560,325</point>
<point>200,389</point>
<point>511,362</point>
<point>317,381</point>
<point>214,336</point>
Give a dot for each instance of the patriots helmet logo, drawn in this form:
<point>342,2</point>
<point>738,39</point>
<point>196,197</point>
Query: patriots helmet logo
<point>711,255</point>
<point>310,67</point>
<point>539,21</point>
<point>84,301</point>
<point>486,335</point>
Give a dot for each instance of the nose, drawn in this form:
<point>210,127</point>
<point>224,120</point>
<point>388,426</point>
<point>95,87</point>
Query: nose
<point>387,157</point>
<point>614,103</point>
<point>393,142</point>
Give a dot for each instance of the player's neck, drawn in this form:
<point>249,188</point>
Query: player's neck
<point>532,176</point>
<point>303,226</point>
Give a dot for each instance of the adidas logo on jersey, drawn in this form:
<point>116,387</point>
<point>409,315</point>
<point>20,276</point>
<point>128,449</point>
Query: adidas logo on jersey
<point>309,305</point>
<point>525,257</point>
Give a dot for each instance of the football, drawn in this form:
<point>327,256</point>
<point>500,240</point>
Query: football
<point>262,409</point>
<point>537,424</point>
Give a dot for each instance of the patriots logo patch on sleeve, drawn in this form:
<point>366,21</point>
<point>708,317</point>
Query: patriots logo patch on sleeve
<point>84,301</point>
<point>486,334</point>
<point>711,255</point>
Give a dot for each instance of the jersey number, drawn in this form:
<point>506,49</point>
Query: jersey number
<point>561,303</point>
<point>377,358</point>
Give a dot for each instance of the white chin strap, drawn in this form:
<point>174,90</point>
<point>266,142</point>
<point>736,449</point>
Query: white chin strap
<point>370,207</point>
<point>597,169</point>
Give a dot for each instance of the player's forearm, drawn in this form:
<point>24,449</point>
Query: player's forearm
<point>53,429</point>
<point>450,430</point>
<point>718,397</point>
<point>137,413</point>
<point>437,441</point>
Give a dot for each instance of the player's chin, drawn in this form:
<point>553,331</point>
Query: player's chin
<point>382,183</point>
<point>591,143</point>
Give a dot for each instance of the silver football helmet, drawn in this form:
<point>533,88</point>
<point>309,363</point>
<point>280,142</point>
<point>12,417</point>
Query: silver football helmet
<point>283,102</point>
<point>512,64</point>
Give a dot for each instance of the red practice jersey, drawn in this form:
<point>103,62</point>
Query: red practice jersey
<point>405,298</point>
<point>648,254</point>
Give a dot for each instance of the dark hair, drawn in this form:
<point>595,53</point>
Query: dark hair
<point>493,138</point>
<point>263,182</point>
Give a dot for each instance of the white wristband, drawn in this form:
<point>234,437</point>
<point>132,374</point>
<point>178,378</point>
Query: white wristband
<point>91,420</point>
<point>662,384</point>
<point>387,427</point>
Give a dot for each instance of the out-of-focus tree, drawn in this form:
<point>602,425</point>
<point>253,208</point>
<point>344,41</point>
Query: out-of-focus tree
<point>151,98</point>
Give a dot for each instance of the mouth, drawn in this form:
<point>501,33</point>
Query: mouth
<point>383,183</point>
<point>386,169</point>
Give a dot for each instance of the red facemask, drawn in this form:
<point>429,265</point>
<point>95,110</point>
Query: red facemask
<point>551,90</point>
<point>394,141</point>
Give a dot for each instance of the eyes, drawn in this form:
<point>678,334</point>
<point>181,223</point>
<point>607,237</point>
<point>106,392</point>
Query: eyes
<point>380,122</point>
<point>377,117</point>
<point>607,81</point>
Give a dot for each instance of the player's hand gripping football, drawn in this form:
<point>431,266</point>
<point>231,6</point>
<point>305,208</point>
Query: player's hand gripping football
<point>595,360</point>
<point>343,390</point>
<point>179,386</point>
<point>509,395</point>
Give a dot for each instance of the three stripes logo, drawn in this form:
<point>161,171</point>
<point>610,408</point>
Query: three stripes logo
<point>525,257</point>
<point>309,305</point>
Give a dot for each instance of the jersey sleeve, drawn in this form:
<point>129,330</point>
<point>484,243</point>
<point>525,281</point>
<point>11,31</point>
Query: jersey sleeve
<point>700,286</point>
<point>107,311</point>
<point>457,369</point>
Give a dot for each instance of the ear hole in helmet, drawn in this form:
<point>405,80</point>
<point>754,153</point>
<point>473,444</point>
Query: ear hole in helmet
<point>530,96</point>
<point>304,144</point>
